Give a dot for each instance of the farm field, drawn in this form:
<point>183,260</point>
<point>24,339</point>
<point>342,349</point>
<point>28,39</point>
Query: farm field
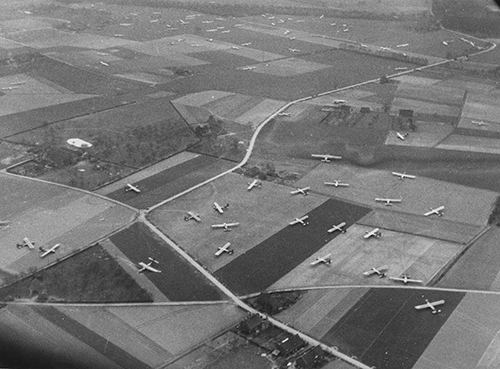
<point>46,215</point>
<point>351,255</point>
<point>420,225</point>
<point>134,135</point>
<point>479,260</point>
<point>258,269</point>
<point>471,144</point>
<point>378,325</point>
<point>260,212</point>
<point>179,281</point>
<point>113,337</point>
<point>463,204</point>
<point>96,277</point>
<point>169,182</point>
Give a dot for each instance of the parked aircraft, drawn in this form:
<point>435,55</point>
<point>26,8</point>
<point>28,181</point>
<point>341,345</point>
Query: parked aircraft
<point>431,305</point>
<point>293,50</point>
<point>438,211</point>
<point>284,114</point>
<point>339,102</point>
<point>224,249</point>
<point>402,45</point>
<point>326,157</point>
<point>183,21</point>
<point>154,21</point>
<point>402,136</point>
<point>300,220</point>
<point>375,232</point>
<point>26,243</point>
<point>303,191</point>
<point>401,68</point>
<point>336,183</point>
<point>227,226</point>
<point>405,279</point>
<point>220,209</point>
<point>104,63</point>
<point>191,215</point>
<point>480,123</point>
<point>253,184</point>
<point>52,250</point>
<point>388,202</point>
<point>133,188</point>
<point>248,68</point>
<point>286,32</point>
<point>211,30</point>
<point>125,24</point>
<point>207,21</point>
<point>339,227</point>
<point>235,47</point>
<point>380,271</point>
<point>403,175</point>
<point>147,266</point>
<point>322,260</point>
<point>246,43</point>
<point>225,31</point>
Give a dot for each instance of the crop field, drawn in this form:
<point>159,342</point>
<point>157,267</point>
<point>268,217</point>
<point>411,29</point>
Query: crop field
<point>480,107</point>
<point>424,108</point>
<point>419,225</point>
<point>471,144</point>
<point>383,329</point>
<point>463,204</point>
<point>481,261</point>
<point>419,257</point>
<point>260,212</point>
<point>30,343</point>
<point>172,161</point>
<point>437,94</point>
<point>288,67</point>
<point>257,269</point>
<point>427,134</point>
<point>178,281</point>
<point>171,181</point>
<point>417,80</point>
<point>46,215</point>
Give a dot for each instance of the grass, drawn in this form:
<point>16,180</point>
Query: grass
<point>90,276</point>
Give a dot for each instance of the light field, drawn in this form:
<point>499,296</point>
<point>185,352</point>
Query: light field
<point>47,215</point>
<point>260,212</point>
<point>351,254</point>
<point>463,204</point>
<point>436,94</point>
<point>471,144</point>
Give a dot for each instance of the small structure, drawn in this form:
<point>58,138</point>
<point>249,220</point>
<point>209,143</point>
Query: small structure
<point>79,143</point>
<point>407,119</point>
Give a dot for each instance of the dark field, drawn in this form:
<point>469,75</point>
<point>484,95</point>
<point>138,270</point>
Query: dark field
<point>178,280</point>
<point>31,119</point>
<point>384,329</point>
<point>96,277</point>
<point>166,184</point>
<point>267,262</point>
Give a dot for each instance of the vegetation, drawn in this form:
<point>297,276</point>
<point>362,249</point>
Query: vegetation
<point>90,276</point>
<point>273,303</point>
<point>495,214</point>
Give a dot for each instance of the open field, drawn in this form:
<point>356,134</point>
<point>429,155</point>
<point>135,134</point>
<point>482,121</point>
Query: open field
<point>49,214</point>
<point>11,154</point>
<point>179,281</point>
<point>172,161</point>
<point>27,343</point>
<point>425,108</point>
<point>167,183</point>
<point>427,134</point>
<point>95,277</point>
<point>419,257</point>
<point>420,225</point>
<point>33,118</point>
<point>263,265</point>
<point>134,336</point>
<point>437,93</point>
<point>463,204</point>
<point>261,212</point>
<point>471,144</point>
<point>481,261</point>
